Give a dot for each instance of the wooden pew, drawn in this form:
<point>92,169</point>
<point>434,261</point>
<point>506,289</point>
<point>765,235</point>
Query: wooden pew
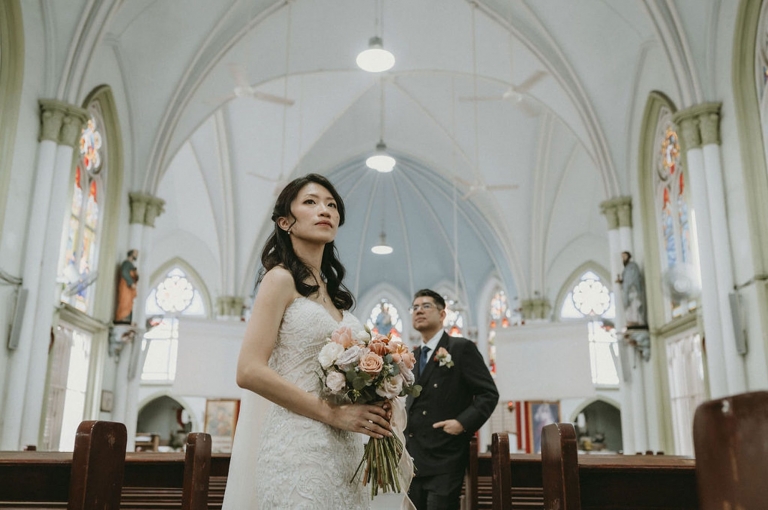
<point>730,437</point>
<point>603,482</point>
<point>516,478</point>
<point>88,478</point>
<point>150,481</point>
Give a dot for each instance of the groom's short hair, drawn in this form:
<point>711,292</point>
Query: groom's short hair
<point>439,301</point>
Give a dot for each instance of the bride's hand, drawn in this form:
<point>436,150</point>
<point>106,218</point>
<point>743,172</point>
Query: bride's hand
<point>370,420</point>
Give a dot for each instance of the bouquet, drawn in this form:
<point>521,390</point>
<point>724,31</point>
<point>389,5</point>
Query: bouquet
<point>359,367</point>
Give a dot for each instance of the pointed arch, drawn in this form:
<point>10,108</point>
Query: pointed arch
<point>11,77</point>
<point>751,135</point>
<point>574,277</point>
<point>159,274</point>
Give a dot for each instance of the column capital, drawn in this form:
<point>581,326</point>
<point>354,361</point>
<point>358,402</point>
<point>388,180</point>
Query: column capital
<point>700,125</point>
<point>145,208</point>
<point>617,211</point>
<point>61,122</point>
<point>229,307</point>
<point>535,309</point>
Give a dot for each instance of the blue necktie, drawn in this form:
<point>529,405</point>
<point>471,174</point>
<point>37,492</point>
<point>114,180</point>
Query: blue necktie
<point>423,359</point>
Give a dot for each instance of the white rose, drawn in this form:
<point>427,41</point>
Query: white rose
<point>349,358</point>
<point>329,353</point>
<point>335,381</point>
<point>363,336</point>
<point>391,387</point>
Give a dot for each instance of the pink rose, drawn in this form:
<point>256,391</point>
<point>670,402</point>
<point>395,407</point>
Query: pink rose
<point>371,363</point>
<point>409,360</point>
<point>335,381</point>
<point>344,337</point>
<point>408,376</point>
<point>391,387</point>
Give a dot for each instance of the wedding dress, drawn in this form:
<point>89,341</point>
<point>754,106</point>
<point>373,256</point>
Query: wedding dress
<point>281,459</point>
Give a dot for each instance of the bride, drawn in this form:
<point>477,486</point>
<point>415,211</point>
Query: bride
<point>301,451</point>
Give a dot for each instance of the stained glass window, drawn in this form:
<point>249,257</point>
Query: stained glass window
<point>175,295</point>
<point>675,227</point>
<point>385,319</point>
<point>454,319</point>
<point>80,239</point>
<point>591,298</point>
<point>500,317</point>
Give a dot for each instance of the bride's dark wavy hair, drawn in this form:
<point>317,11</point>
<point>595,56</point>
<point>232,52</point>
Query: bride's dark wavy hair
<point>279,250</point>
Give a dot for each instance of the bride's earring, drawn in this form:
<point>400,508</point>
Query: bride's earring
<point>289,231</point>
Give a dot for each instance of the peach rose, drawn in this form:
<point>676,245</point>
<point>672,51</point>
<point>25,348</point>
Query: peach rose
<point>344,337</point>
<point>371,363</point>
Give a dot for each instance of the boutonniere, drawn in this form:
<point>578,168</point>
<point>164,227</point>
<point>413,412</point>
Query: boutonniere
<point>443,357</point>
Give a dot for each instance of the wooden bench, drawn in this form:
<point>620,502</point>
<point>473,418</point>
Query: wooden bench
<point>90,477</point>
<point>146,480</point>
<point>730,437</point>
<point>516,481</point>
<point>603,482</point>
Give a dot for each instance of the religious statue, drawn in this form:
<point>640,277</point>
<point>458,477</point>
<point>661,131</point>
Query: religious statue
<point>633,293</point>
<point>384,320</point>
<point>128,276</point>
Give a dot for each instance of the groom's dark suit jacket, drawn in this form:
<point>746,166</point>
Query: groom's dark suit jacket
<point>465,392</point>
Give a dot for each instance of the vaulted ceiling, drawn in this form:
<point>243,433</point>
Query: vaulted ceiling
<point>506,188</point>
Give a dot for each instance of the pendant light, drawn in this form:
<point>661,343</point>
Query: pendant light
<point>376,59</point>
<point>382,248</point>
<point>380,160</point>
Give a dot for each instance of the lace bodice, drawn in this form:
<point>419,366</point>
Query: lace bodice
<point>302,463</point>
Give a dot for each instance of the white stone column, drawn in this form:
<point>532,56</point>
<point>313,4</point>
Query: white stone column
<point>634,404</point>
<point>144,210</point>
<point>709,126</point>
<point>48,298</point>
<point>710,302</point>
<point>52,115</point>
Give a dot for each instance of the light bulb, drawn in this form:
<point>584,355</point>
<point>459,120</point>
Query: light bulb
<point>375,59</point>
<point>381,161</point>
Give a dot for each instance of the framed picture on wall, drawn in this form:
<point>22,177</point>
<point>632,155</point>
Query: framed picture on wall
<point>539,415</point>
<point>220,422</point>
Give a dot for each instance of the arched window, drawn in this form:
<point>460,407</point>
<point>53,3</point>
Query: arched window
<point>385,319</point>
<point>500,317</point>
<point>454,318</point>
<point>81,235</point>
<point>590,298</point>
<point>673,211</point>
<point>175,295</point>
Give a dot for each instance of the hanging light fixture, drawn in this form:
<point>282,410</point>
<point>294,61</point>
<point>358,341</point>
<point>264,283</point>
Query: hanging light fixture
<point>380,160</point>
<point>382,248</point>
<point>375,59</point>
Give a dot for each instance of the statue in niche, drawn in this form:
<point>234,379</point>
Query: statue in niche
<point>384,320</point>
<point>632,293</point>
<point>128,276</point>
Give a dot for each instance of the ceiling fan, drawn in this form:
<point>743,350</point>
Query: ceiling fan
<point>476,186</point>
<point>244,89</point>
<point>517,94</point>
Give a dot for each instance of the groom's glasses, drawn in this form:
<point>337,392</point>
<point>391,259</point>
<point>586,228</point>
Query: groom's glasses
<point>426,307</point>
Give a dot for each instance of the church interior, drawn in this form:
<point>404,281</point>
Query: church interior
<point>585,182</point>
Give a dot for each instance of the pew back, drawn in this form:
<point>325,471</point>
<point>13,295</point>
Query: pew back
<point>730,438</point>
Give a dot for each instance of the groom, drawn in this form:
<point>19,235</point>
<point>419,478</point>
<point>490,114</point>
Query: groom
<point>458,395</point>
